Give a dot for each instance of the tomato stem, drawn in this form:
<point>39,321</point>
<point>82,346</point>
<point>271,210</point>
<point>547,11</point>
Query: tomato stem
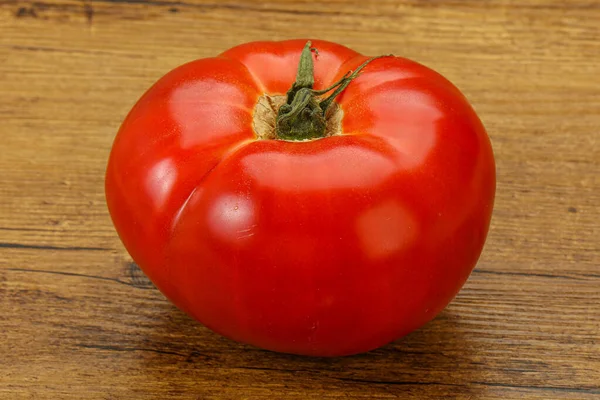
<point>303,115</point>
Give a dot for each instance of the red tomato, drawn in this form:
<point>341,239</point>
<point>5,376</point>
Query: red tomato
<point>332,243</point>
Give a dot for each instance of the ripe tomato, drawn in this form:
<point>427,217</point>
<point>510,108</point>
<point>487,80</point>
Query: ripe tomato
<point>326,221</point>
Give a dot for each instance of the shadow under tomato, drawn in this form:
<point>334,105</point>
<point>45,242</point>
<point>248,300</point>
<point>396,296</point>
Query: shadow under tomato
<point>436,361</point>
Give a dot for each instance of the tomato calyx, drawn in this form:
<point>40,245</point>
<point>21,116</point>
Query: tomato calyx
<point>303,116</point>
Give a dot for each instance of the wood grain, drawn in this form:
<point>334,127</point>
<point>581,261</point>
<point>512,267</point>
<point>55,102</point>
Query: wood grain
<point>78,320</point>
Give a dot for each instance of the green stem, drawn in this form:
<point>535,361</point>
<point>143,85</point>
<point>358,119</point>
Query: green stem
<point>303,115</point>
<point>345,82</point>
<point>305,76</point>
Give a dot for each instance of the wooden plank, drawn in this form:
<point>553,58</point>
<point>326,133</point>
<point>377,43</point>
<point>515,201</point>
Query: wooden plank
<point>77,320</point>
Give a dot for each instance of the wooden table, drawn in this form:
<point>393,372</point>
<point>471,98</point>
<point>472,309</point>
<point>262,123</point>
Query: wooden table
<point>79,321</point>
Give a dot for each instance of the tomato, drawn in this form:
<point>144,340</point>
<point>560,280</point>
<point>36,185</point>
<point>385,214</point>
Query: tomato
<point>285,203</point>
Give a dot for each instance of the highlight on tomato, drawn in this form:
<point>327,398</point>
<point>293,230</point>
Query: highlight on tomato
<point>301,197</point>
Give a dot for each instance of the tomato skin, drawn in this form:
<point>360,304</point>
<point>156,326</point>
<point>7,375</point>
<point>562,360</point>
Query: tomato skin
<point>328,247</point>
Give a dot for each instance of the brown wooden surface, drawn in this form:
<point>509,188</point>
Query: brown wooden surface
<point>78,322</point>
